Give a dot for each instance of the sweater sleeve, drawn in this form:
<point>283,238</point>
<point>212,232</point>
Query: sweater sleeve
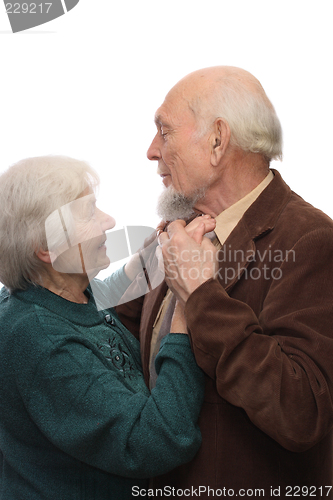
<point>90,412</point>
<point>107,293</point>
<point>278,366</point>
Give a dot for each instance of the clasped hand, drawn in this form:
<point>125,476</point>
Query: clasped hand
<point>189,257</point>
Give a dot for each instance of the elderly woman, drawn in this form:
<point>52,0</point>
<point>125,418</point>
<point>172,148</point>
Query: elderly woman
<point>76,418</point>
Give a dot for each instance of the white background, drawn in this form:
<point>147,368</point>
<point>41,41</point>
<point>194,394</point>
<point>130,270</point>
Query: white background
<point>88,83</point>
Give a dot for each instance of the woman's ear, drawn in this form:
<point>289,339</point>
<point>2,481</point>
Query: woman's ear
<point>220,139</point>
<point>44,255</point>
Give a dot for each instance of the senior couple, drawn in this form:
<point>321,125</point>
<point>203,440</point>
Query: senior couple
<point>217,381</point>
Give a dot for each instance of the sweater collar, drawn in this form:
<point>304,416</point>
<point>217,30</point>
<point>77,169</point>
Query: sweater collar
<point>80,314</point>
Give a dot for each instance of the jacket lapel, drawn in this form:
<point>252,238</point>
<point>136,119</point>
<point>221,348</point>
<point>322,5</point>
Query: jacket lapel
<point>234,256</point>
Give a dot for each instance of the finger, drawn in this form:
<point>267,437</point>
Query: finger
<point>207,244</point>
<point>198,233</point>
<point>163,238</point>
<point>210,250</point>
<point>176,226</point>
<point>161,226</point>
<point>201,229</point>
<point>160,261</point>
<point>208,222</point>
<point>196,221</point>
<point>209,225</point>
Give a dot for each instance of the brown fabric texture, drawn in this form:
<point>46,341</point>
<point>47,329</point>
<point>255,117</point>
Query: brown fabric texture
<point>263,334</point>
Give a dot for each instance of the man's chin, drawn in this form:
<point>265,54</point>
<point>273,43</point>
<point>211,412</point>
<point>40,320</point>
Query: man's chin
<point>174,205</point>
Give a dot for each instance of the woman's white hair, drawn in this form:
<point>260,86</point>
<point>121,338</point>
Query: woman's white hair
<point>251,116</point>
<point>30,191</point>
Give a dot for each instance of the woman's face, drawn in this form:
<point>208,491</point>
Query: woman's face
<point>84,227</point>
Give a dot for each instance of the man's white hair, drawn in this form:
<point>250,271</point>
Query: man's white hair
<point>252,119</point>
<point>30,191</point>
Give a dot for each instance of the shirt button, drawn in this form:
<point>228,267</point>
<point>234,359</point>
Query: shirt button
<point>109,319</point>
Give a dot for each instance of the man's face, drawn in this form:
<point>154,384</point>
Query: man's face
<point>183,155</point>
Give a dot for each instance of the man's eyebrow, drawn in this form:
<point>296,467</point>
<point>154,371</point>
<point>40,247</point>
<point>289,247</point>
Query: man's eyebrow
<point>159,121</point>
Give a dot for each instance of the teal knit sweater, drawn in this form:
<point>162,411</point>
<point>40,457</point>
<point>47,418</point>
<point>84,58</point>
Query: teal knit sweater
<point>76,418</point>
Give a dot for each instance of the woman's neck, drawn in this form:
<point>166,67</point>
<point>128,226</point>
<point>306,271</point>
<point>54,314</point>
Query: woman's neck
<point>68,286</point>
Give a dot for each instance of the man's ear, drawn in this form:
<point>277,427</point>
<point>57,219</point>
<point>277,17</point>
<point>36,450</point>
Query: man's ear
<point>220,139</point>
<point>44,255</point>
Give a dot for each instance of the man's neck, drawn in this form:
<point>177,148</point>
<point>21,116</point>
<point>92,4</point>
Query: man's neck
<point>238,178</point>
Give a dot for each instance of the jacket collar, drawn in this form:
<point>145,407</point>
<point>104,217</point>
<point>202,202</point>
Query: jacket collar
<point>265,211</point>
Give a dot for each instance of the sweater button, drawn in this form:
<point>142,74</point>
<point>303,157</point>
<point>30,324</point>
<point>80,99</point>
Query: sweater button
<point>109,319</point>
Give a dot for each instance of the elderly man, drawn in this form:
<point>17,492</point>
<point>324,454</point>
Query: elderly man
<point>261,328</point>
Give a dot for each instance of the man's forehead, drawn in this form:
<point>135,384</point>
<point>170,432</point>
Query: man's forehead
<point>164,112</point>
<point>172,112</point>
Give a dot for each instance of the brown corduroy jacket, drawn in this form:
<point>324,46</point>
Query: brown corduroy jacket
<point>263,334</point>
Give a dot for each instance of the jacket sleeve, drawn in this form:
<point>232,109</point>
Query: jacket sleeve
<point>88,411</point>
<point>278,366</point>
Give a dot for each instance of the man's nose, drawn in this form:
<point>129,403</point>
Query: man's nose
<point>154,152</point>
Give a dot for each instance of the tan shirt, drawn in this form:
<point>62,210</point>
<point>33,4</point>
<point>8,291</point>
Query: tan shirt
<point>226,221</point>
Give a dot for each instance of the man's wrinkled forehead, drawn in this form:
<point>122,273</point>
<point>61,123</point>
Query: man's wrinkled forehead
<point>174,111</point>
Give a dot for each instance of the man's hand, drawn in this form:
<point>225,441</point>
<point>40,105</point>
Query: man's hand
<point>200,226</point>
<point>190,259</point>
